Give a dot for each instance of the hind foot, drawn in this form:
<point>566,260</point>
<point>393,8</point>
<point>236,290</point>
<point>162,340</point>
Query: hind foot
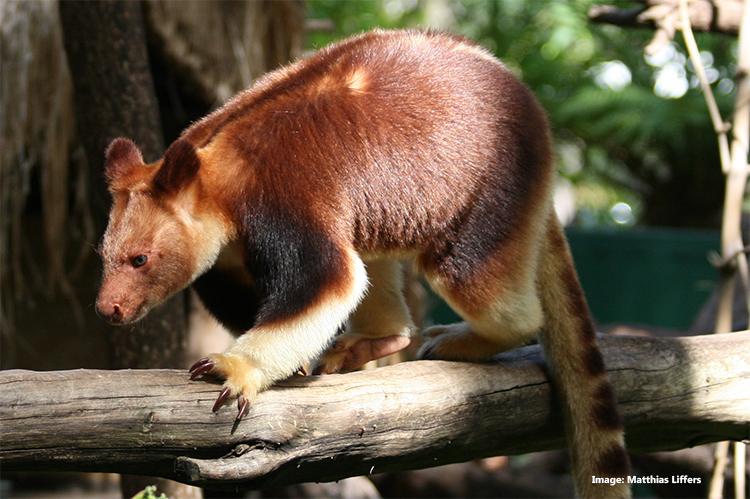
<point>457,342</point>
<point>352,352</point>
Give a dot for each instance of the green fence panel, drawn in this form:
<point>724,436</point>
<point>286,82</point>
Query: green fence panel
<point>656,277</point>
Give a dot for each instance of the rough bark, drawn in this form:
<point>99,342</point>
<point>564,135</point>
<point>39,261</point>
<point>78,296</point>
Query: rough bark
<point>114,97</point>
<point>673,393</point>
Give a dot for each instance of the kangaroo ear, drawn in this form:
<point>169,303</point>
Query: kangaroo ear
<point>121,160</point>
<point>179,167</point>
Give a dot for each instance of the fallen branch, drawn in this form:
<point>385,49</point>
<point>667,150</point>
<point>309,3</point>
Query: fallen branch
<point>673,393</point>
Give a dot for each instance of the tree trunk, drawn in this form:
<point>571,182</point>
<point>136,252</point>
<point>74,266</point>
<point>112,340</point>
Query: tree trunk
<point>114,97</point>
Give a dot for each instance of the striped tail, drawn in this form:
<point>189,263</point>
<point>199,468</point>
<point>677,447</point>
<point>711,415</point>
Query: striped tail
<point>593,424</point>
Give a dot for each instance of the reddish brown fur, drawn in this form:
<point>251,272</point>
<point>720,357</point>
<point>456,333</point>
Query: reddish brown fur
<point>355,178</point>
<point>122,165</point>
<point>390,144</point>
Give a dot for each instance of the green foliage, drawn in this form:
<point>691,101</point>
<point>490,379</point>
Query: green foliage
<point>629,128</point>
<point>149,493</point>
<point>352,17</point>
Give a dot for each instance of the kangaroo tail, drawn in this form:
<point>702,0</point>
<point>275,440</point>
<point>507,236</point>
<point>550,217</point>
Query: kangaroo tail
<point>593,424</point>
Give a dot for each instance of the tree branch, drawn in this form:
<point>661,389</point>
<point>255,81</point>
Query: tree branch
<point>673,393</point>
<point>720,16</point>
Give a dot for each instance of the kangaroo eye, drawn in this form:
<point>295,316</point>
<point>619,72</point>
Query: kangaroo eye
<point>139,261</point>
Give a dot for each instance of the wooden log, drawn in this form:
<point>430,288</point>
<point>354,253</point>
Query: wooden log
<point>673,393</point>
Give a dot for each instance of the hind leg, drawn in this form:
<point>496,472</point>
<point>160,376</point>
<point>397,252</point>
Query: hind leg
<point>509,321</point>
<point>499,304</point>
<point>381,324</point>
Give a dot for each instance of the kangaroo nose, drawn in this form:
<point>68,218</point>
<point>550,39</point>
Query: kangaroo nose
<point>110,312</point>
<point>117,313</point>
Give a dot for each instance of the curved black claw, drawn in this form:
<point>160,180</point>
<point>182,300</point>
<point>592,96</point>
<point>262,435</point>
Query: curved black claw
<point>201,367</point>
<point>242,406</point>
<point>222,397</point>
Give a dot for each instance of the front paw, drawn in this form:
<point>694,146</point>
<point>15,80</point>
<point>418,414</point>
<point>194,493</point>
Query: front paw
<point>242,379</point>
